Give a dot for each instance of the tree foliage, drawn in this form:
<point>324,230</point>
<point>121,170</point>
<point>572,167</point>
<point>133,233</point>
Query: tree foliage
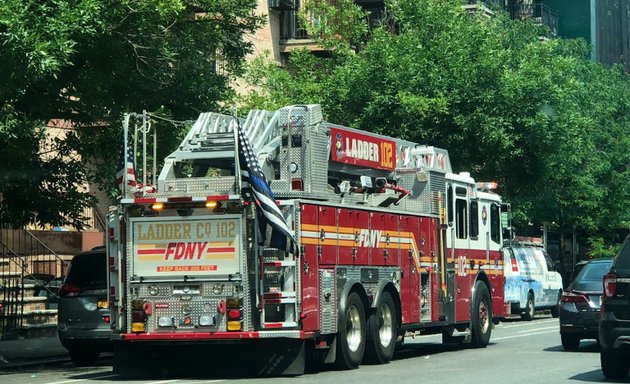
<point>88,61</point>
<point>534,114</point>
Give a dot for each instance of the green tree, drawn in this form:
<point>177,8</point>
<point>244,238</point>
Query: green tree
<point>535,115</point>
<point>88,61</point>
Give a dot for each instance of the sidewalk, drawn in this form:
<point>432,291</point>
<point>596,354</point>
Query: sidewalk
<point>17,353</point>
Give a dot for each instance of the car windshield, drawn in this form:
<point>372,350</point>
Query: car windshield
<point>88,271</point>
<point>623,259</point>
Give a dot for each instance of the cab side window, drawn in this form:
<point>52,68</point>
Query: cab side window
<point>474,220</point>
<point>495,223</point>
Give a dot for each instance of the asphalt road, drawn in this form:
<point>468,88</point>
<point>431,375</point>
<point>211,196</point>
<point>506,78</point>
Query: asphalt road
<point>519,352</point>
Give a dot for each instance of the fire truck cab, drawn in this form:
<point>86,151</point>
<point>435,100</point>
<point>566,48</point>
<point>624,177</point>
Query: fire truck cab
<point>390,242</point>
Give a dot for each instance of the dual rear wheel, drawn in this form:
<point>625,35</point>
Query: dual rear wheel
<point>373,339</point>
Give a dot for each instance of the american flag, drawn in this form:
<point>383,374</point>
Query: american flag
<point>256,184</point>
<point>125,167</point>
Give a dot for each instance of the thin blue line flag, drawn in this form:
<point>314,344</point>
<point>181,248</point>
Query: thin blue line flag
<point>254,182</point>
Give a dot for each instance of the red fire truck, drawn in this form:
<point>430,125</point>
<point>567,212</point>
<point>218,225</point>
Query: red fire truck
<point>388,241</point>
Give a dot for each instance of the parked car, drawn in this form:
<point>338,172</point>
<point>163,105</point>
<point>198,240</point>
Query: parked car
<point>531,282</point>
<point>83,312</point>
<point>579,304</point>
<point>614,324</point>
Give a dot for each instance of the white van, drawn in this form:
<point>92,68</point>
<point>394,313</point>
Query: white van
<point>531,282</point>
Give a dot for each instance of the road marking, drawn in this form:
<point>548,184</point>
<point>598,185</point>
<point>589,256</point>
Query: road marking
<point>78,380</point>
<point>538,329</point>
<point>529,323</point>
<point>523,335</point>
<point>163,381</point>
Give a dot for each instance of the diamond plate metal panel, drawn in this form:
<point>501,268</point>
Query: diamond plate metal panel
<point>203,186</point>
<point>327,302</point>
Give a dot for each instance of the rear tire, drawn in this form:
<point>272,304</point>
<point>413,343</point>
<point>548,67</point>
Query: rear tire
<point>528,315</point>
<point>614,367</point>
<point>481,316</point>
<point>570,341</point>
<point>381,331</point>
<point>351,336</point>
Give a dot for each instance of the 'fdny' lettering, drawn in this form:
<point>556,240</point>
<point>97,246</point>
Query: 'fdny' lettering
<point>185,251</point>
<point>370,238</point>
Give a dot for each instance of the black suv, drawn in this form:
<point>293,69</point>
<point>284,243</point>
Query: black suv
<point>614,324</point>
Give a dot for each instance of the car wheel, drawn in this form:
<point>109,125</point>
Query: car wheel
<point>83,357</point>
<point>528,315</point>
<point>570,341</point>
<point>382,331</point>
<point>351,336</point>
<point>481,316</point>
<point>613,366</point>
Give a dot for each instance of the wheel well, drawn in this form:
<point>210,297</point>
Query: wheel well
<point>482,277</point>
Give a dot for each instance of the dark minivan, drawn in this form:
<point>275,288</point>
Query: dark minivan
<point>83,322</point>
<point>614,324</point>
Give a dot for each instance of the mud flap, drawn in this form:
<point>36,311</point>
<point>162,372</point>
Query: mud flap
<point>277,357</point>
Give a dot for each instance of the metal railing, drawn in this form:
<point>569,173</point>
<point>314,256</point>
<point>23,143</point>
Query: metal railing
<point>26,264</point>
<point>539,13</point>
<point>291,26</point>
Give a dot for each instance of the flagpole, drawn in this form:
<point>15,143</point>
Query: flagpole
<point>237,167</point>
<point>125,133</point>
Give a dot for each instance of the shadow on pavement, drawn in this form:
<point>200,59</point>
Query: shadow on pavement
<point>591,346</point>
<point>594,376</point>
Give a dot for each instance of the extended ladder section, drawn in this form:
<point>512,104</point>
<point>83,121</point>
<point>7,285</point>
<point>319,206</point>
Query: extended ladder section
<point>205,161</point>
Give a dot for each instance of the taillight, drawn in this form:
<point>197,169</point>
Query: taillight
<point>572,297</point>
<point>234,314</point>
<point>69,290</point>
<point>610,285</point>
<point>514,264</point>
<point>139,315</point>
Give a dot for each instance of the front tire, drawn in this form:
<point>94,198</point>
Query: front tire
<point>570,341</point>
<point>481,316</point>
<point>614,367</point>
<point>381,331</point>
<point>528,315</point>
<point>351,336</point>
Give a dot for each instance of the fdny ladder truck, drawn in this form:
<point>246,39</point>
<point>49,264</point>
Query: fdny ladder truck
<point>390,242</point>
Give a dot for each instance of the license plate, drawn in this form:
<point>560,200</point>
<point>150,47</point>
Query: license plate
<point>102,303</point>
